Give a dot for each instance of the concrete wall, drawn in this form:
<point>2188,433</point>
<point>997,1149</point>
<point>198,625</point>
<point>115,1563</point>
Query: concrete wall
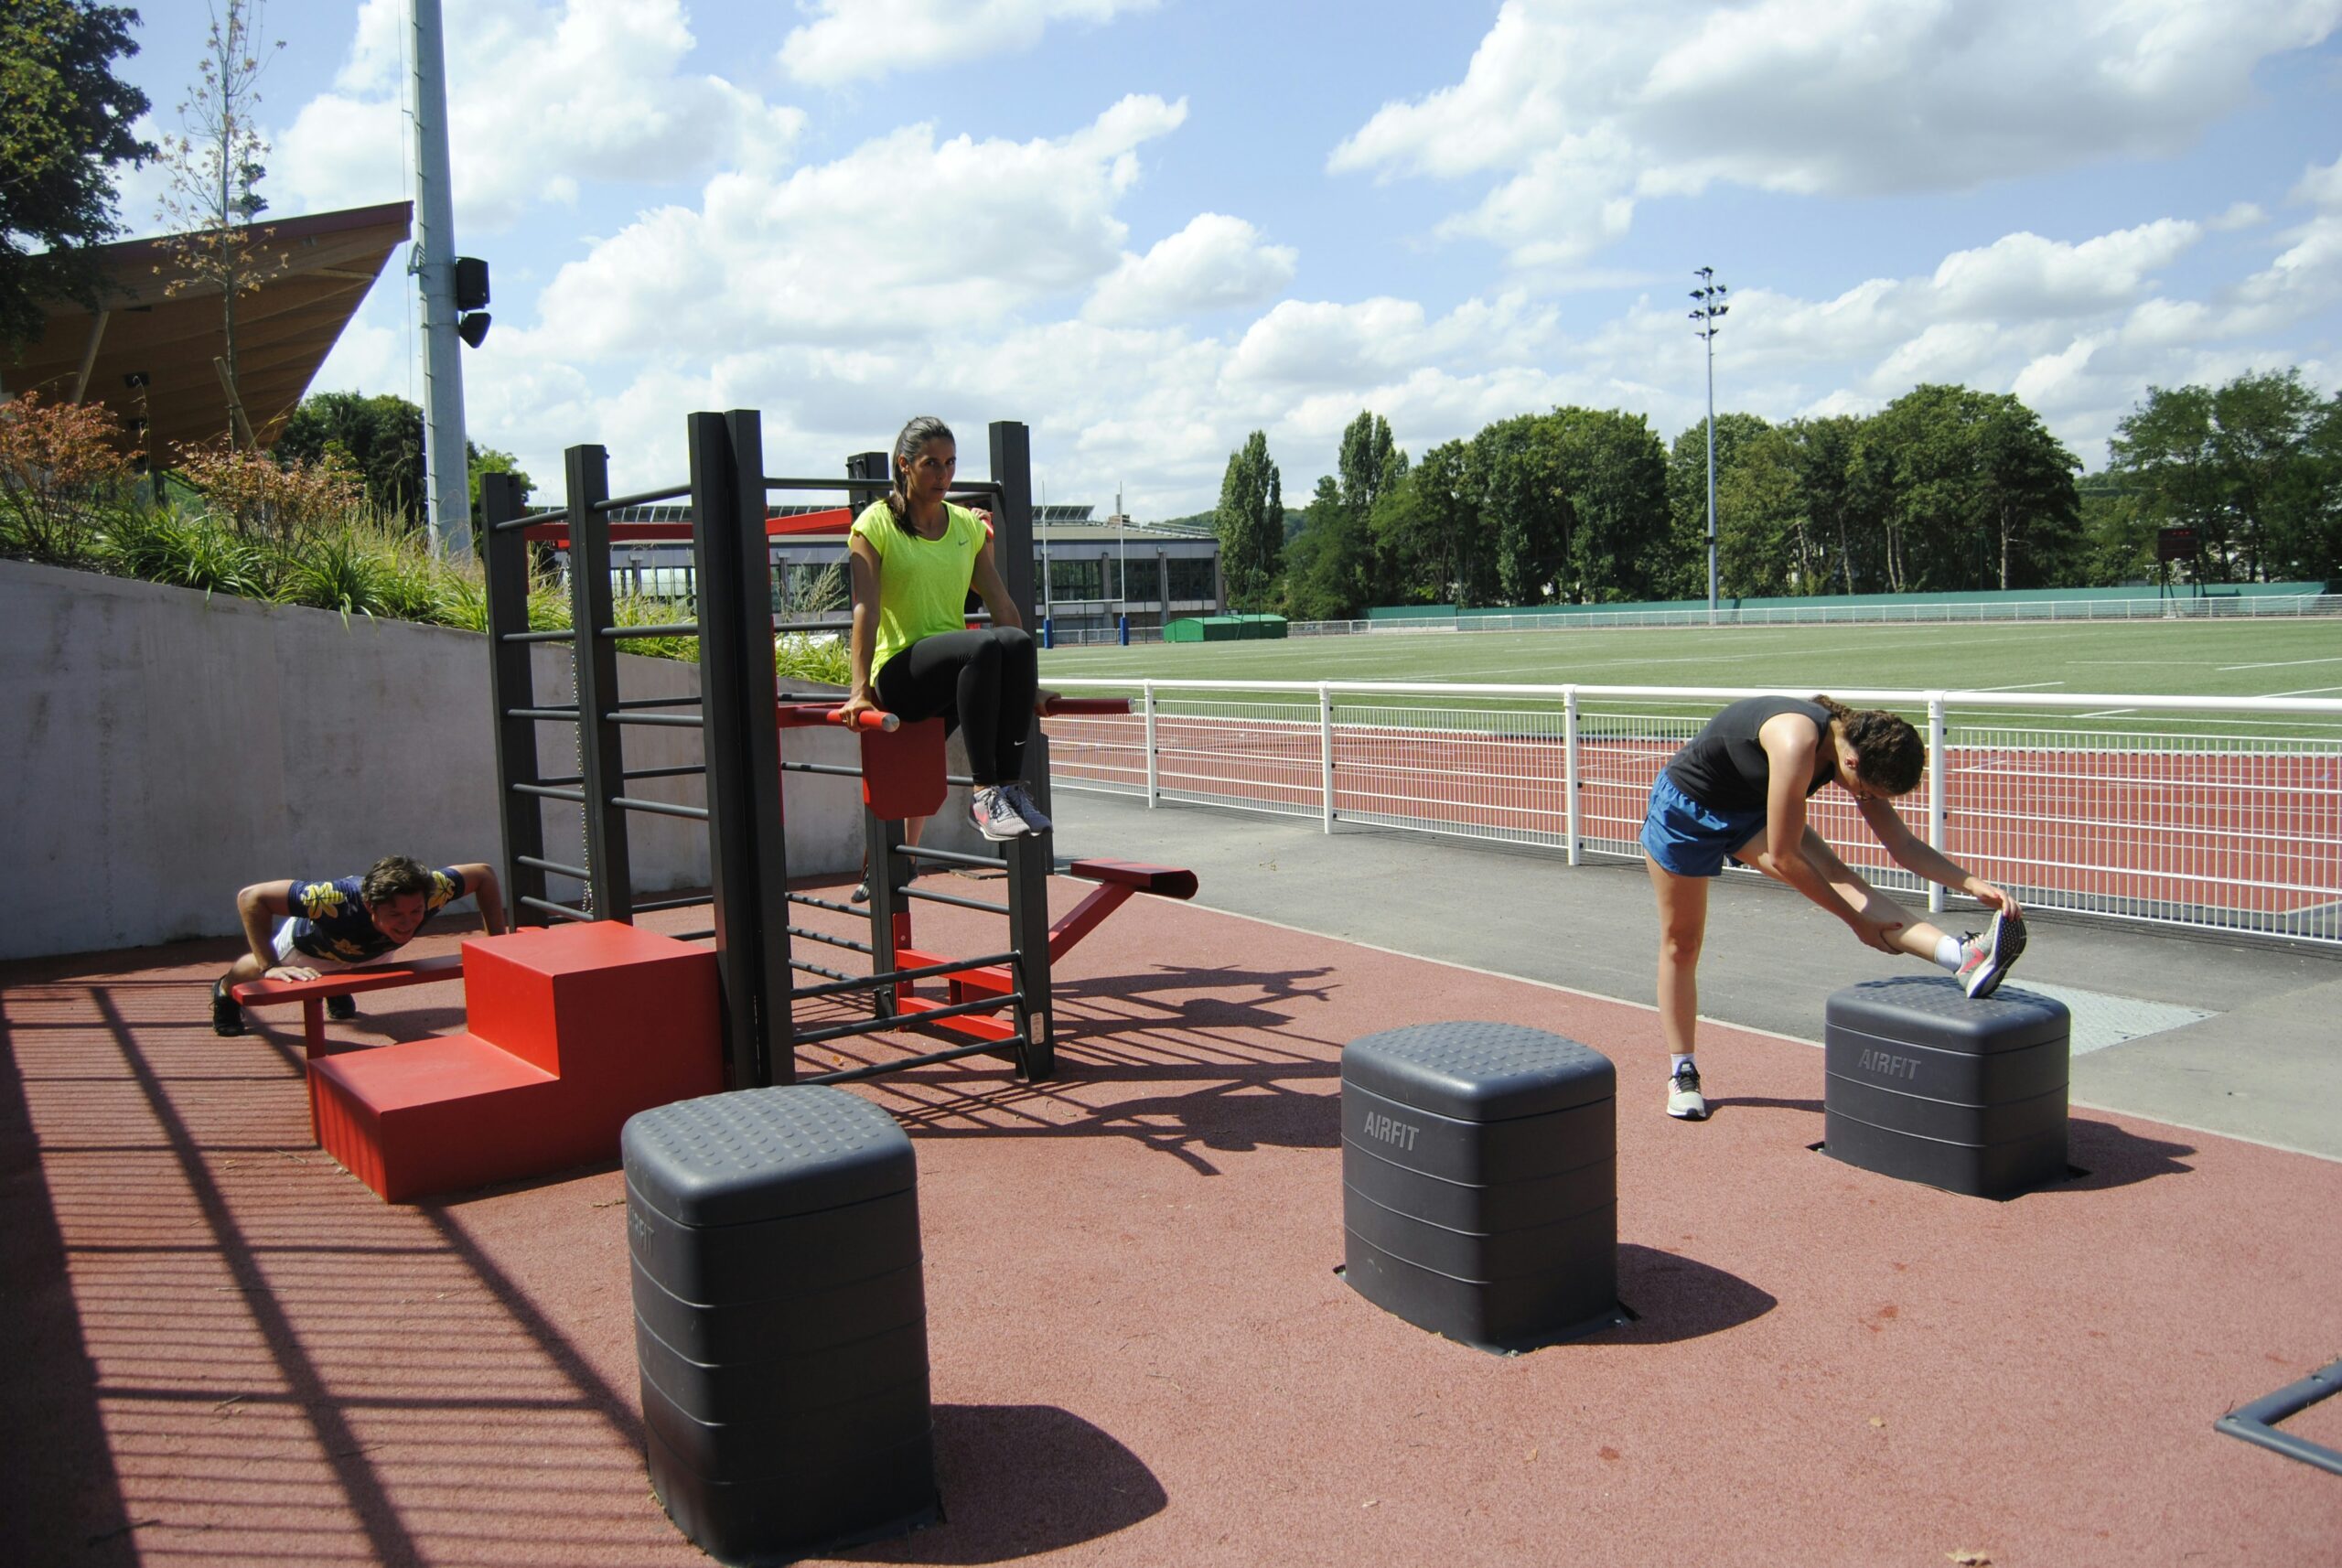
<point>160,750</point>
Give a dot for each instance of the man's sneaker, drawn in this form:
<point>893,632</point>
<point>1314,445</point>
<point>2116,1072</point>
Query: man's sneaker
<point>1985,961</point>
<point>1022,799</point>
<point>341,1008</point>
<point>1683,1098</point>
<point>227,1018</point>
<point>861,894</point>
<point>994,814</point>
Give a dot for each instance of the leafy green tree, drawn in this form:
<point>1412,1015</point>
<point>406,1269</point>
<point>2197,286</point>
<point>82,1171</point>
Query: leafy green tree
<point>1334,567</point>
<point>479,460</point>
<point>2309,544</point>
<point>1366,460</point>
<point>2117,532</point>
<point>2032,511</point>
<point>1522,514</point>
<point>1427,533</point>
<point>66,125</point>
<point>380,437</point>
<point>1250,523</point>
<point>1687,501</point>
<point>2254,467</point>
<point>1611,473</point>
<point>1974,491</point>
<point>1765,549</point>
<point>1308,594</point>
<point>1836,516</point>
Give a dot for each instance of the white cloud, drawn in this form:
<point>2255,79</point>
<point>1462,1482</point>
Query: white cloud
<point>2024,275</point>
<point>540,98</point>
<point>861,41</point>
<point>1581,107</point>
<point>2321,186</point>
<point>1215,263</point>
<point>825,255</point>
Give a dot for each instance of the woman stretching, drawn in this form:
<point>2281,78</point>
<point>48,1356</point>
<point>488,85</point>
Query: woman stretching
<point>913,557</point>
<point>1738,790</point>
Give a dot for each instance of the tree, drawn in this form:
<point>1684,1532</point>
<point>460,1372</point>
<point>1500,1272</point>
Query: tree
<point>1310,590</point>
<point>479,460</point>
<point>1835,517</point>
<point>213,196</point>
<point>1687,501</point>
<point>66,125</point>
<point>380,438</point>
<point>2163,449</point>
<point>2263,431</point>
<point>1522,508</point>
<point>2251,466</point>
<point>1250,523</point>
<point>1974,491</point>
<point>1611,473</point>
<point>1426,531</point>
<point>1365,461</point>
<point>1765,549</point>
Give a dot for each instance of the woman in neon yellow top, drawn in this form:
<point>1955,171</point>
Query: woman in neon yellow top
<point>915,555</point>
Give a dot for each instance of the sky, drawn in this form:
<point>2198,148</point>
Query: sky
<point>1146,228</point>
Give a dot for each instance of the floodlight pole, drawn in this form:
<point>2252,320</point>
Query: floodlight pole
<point>448,487</point>
<point>1710,293</point>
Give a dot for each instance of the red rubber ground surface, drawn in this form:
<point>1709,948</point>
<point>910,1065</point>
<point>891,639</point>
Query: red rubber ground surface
<point>222,1349</point>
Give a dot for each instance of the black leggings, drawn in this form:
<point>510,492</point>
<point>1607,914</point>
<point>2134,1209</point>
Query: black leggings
<point>982,683</point>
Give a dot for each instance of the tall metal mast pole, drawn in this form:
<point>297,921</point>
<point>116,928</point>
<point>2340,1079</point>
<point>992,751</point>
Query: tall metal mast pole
<point>1710,293</point>
<point>448,482</point>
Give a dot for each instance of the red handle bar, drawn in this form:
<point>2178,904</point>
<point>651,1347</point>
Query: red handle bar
<point>798,714</point>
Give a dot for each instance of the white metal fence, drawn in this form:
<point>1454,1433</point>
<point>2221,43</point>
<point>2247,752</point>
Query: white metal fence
<point>2179,605</point>
<point>2221,814</point>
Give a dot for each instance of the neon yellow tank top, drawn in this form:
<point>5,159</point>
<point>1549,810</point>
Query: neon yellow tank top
<point>922,583</point>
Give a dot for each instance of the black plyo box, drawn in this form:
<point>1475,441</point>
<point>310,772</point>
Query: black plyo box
<point>781,1322</point>
<point>1479,1181</point>
<point>1930,1085</point>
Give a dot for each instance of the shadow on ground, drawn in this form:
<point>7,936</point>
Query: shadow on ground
<point>1020,1479</point>
<point>1676,1298</point>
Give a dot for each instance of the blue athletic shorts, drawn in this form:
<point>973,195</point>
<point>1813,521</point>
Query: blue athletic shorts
<point>1691,839</point>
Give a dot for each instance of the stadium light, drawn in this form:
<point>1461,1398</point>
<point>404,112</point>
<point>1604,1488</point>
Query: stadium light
<point>1712,310</point>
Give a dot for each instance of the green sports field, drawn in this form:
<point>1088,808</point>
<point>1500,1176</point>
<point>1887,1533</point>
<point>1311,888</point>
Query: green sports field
<point>2197,658</point>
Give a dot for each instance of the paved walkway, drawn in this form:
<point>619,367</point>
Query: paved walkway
<point>2236,1036</point>
<point>223,1349</point>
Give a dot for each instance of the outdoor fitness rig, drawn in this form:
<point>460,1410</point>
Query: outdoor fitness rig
<point>740,713</point>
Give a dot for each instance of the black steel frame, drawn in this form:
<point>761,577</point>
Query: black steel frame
<point>739,722</point>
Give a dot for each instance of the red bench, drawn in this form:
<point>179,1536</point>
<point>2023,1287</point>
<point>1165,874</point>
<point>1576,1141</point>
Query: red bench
<point>312,994</point>
<point>569,1031</point>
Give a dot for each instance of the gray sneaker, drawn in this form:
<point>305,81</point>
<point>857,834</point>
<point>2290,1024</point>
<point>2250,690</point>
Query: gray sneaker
<point>1985,961</point>
<point>1683,1098</point>
<point>1022,799</point>
<point>994,815</point>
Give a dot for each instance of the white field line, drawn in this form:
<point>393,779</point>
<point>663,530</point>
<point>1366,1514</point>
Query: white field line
<point>2282,664</point>
<point>2306,691</point>
<point>2020,686</point>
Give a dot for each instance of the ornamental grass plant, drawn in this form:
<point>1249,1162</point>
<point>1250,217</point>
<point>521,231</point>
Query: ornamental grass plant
<point>233,522</point>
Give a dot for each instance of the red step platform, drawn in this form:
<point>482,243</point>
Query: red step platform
<point>573,1030</point>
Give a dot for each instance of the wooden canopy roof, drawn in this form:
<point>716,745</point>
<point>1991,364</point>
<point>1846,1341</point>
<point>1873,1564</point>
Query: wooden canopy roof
<point>315,272</point>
